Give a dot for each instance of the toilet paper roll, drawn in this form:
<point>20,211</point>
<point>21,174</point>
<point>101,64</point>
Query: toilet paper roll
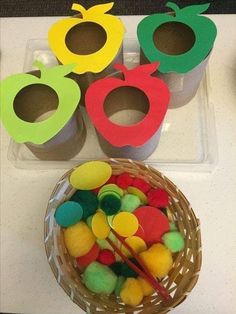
<point>128,106</point>
<point>137,153</point>
<point>66,144</point>
<point>38,103</point>
<point>183,86</point>
<point>127,114</point>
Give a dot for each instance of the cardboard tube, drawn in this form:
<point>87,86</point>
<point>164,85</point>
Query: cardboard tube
<point>36,103</point>
<point>84,39</point>
<point>175,39</point>
<point>137,153</point>
<point>183,87</point>
<point>66,144</point>
<point>127,106</point>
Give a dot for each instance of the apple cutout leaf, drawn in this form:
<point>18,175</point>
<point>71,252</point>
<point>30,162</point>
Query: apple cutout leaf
<point>68,93</point>
<point>137,134</point>
<point>99,60</point>
<point>203,28</point>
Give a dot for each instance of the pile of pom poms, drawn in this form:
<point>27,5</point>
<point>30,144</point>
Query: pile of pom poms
<point>120,231</point>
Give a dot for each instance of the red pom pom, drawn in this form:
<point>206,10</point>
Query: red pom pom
<point>90,257</point>
<point>152,224</point>
<point>158,198</point>
<point>106,257</point>
<point>124,180</point>
<point>95,191</point>
<point>141,185</point>
<point>112,180</point>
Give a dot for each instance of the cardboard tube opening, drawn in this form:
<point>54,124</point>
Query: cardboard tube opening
<point>126,105</point>
<point>35,102</point>
<point>174,38</point>
<point>86,38</point>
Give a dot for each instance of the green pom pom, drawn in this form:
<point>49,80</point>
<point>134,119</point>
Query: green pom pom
<point>130,202</point>
<point>99,278</point>
<point>164,210</point>
<point>68,214</point>
<point>119,284</point>
<point>110,204</point>
<point>173,226</point>
<point>89,221</point>
<point>117,268</point>
<point>127,271</point>
<point>123,269</point>
<point>103,194</point>
<point>174,241</point>
<point>103,244</point>
<point>88,201</point>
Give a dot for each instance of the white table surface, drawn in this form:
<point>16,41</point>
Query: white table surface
<point>27,283</point>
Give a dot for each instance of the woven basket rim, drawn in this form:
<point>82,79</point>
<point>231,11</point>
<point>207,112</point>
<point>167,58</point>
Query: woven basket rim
<point>84,301</point>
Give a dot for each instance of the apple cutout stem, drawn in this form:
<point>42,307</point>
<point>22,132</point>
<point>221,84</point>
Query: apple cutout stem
<point>93,62</point>
<point>191,10</point>
<point>140,78</point>
<point>68,93</point>
<point>202,28</point>
<point>96,9</point>
<point>146,69</point>
<point>60,70</point>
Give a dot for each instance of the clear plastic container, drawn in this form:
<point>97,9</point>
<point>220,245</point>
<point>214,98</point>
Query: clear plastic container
<point>188,138</point>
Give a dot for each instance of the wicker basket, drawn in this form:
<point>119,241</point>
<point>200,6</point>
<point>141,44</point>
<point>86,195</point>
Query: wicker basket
<point>180,280</point>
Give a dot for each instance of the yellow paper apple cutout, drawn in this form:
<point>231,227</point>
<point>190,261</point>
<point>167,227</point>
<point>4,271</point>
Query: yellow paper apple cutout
<point>99,60</point>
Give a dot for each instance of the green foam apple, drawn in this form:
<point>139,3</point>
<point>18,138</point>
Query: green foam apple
<point>203,28</point>
<point>68,93</point>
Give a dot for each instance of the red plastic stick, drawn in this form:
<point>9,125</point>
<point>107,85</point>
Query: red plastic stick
<point>139,260</point>
<point>146,276</point>
<point>132,252</point>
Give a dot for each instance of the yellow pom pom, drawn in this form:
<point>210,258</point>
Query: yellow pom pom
<point>145,286</point>
<point>136,243</point>
<point>79,239</point>
<point>131,292</point>
<point>158,260</point>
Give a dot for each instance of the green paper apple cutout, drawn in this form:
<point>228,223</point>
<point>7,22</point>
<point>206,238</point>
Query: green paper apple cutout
<point>203,28</point>
<point>68,93</point>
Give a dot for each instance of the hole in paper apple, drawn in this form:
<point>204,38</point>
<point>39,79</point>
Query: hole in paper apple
<point>86,38</point>
<point>174,38</point>
<point>126,105</point>
<point>41,97</point>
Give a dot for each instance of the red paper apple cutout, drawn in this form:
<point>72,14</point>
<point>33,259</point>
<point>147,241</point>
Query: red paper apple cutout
<point>140,77</point>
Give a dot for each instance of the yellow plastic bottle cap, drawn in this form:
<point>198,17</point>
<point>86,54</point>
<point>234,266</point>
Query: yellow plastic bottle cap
<point>90,175</point>
<point>136,243</point>
<point>100,226</point>
<point>125,224</point>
